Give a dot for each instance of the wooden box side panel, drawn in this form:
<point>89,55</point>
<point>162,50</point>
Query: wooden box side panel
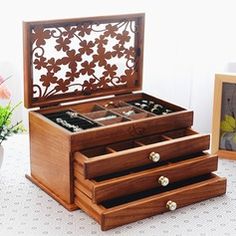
<point>50,157</point>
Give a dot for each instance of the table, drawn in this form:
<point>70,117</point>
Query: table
<point>27,210</point>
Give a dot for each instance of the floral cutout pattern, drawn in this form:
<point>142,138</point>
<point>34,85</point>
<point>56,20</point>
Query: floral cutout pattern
<point>83,58</point>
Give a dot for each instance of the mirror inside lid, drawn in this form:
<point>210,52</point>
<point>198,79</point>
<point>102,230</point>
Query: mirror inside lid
<point>72,59</point>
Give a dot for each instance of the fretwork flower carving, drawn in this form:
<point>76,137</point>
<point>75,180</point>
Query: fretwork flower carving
<point>83,58</point>
<point>40,35</point>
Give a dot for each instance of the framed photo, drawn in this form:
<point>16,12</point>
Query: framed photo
<point>224,116</point>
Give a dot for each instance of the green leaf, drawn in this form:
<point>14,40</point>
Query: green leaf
<point>226,127</point>
<point>230,120</point>
<point>234,138</point>
<point>6,126</point>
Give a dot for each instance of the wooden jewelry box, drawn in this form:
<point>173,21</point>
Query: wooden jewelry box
<point>121,157</point>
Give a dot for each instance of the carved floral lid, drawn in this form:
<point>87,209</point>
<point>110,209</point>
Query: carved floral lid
<point>72,59</point>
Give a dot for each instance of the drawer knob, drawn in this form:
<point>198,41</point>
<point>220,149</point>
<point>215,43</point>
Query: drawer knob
<point>154,156</point>
<point>171,205</point>
<point>163,181</point>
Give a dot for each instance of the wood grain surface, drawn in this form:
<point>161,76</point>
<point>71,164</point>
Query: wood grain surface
<point>149,206</point>
<point>50,156</point>
<point>146,179</point>
<point>123,160</point>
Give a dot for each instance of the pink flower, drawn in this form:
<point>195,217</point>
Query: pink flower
<point>1,80</point>
<point>4,92</point>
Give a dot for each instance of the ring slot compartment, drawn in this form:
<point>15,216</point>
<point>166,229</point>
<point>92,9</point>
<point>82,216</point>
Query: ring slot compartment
<point>154,106</point>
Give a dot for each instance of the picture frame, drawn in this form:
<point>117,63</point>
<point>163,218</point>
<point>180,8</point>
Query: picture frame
<point>223,141</point>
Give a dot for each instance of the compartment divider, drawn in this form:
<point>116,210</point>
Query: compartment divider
<point>97,114</point>
<point>110,149</point>
<point>125,145</point>
<point>151,139</point>
<point>99,106</point>
<point>97,151</point>
<point>87,117</point>
<point>114,120</point>
<point>132,117</point>
<point>119,114</point>
<point>166,137</point>
<point>139,143</point>
<point>179,133</point>
<point>84,115</point>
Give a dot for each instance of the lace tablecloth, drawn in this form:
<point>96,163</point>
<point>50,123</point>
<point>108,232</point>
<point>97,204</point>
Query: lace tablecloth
<point>27,210</point>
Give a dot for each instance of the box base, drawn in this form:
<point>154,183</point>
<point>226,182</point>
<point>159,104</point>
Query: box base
<point>69,207</point>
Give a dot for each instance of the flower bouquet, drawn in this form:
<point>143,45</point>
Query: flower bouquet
<point>6,113</point>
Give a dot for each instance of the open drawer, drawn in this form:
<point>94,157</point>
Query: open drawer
<point>143,178</point>
<point>134,207</point>
<point>121,156</point>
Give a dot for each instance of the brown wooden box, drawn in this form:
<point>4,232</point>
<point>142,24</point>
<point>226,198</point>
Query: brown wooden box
<point>115,152</point>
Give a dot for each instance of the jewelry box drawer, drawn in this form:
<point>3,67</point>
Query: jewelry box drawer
<point>119,211</point>
<point>139,179</point>
<point>121,156</point>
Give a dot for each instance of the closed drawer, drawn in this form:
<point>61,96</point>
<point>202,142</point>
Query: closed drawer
<point>139,179</point>
<point>117,157</point>
<point>121,211</point>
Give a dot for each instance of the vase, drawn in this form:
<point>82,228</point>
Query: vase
<point>1,154</point>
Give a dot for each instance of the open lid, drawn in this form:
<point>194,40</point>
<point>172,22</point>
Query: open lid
<point>72,59</point>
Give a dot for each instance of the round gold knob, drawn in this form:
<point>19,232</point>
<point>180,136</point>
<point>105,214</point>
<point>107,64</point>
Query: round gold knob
<point>154,156</point>
<point>171,205</point>
<point>163,181</point>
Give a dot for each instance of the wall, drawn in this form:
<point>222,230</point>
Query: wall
<point>186,42</point>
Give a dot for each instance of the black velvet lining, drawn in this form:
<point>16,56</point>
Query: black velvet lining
<point>78,121</point>
<point>149,106</point>
<point>151,192</point>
